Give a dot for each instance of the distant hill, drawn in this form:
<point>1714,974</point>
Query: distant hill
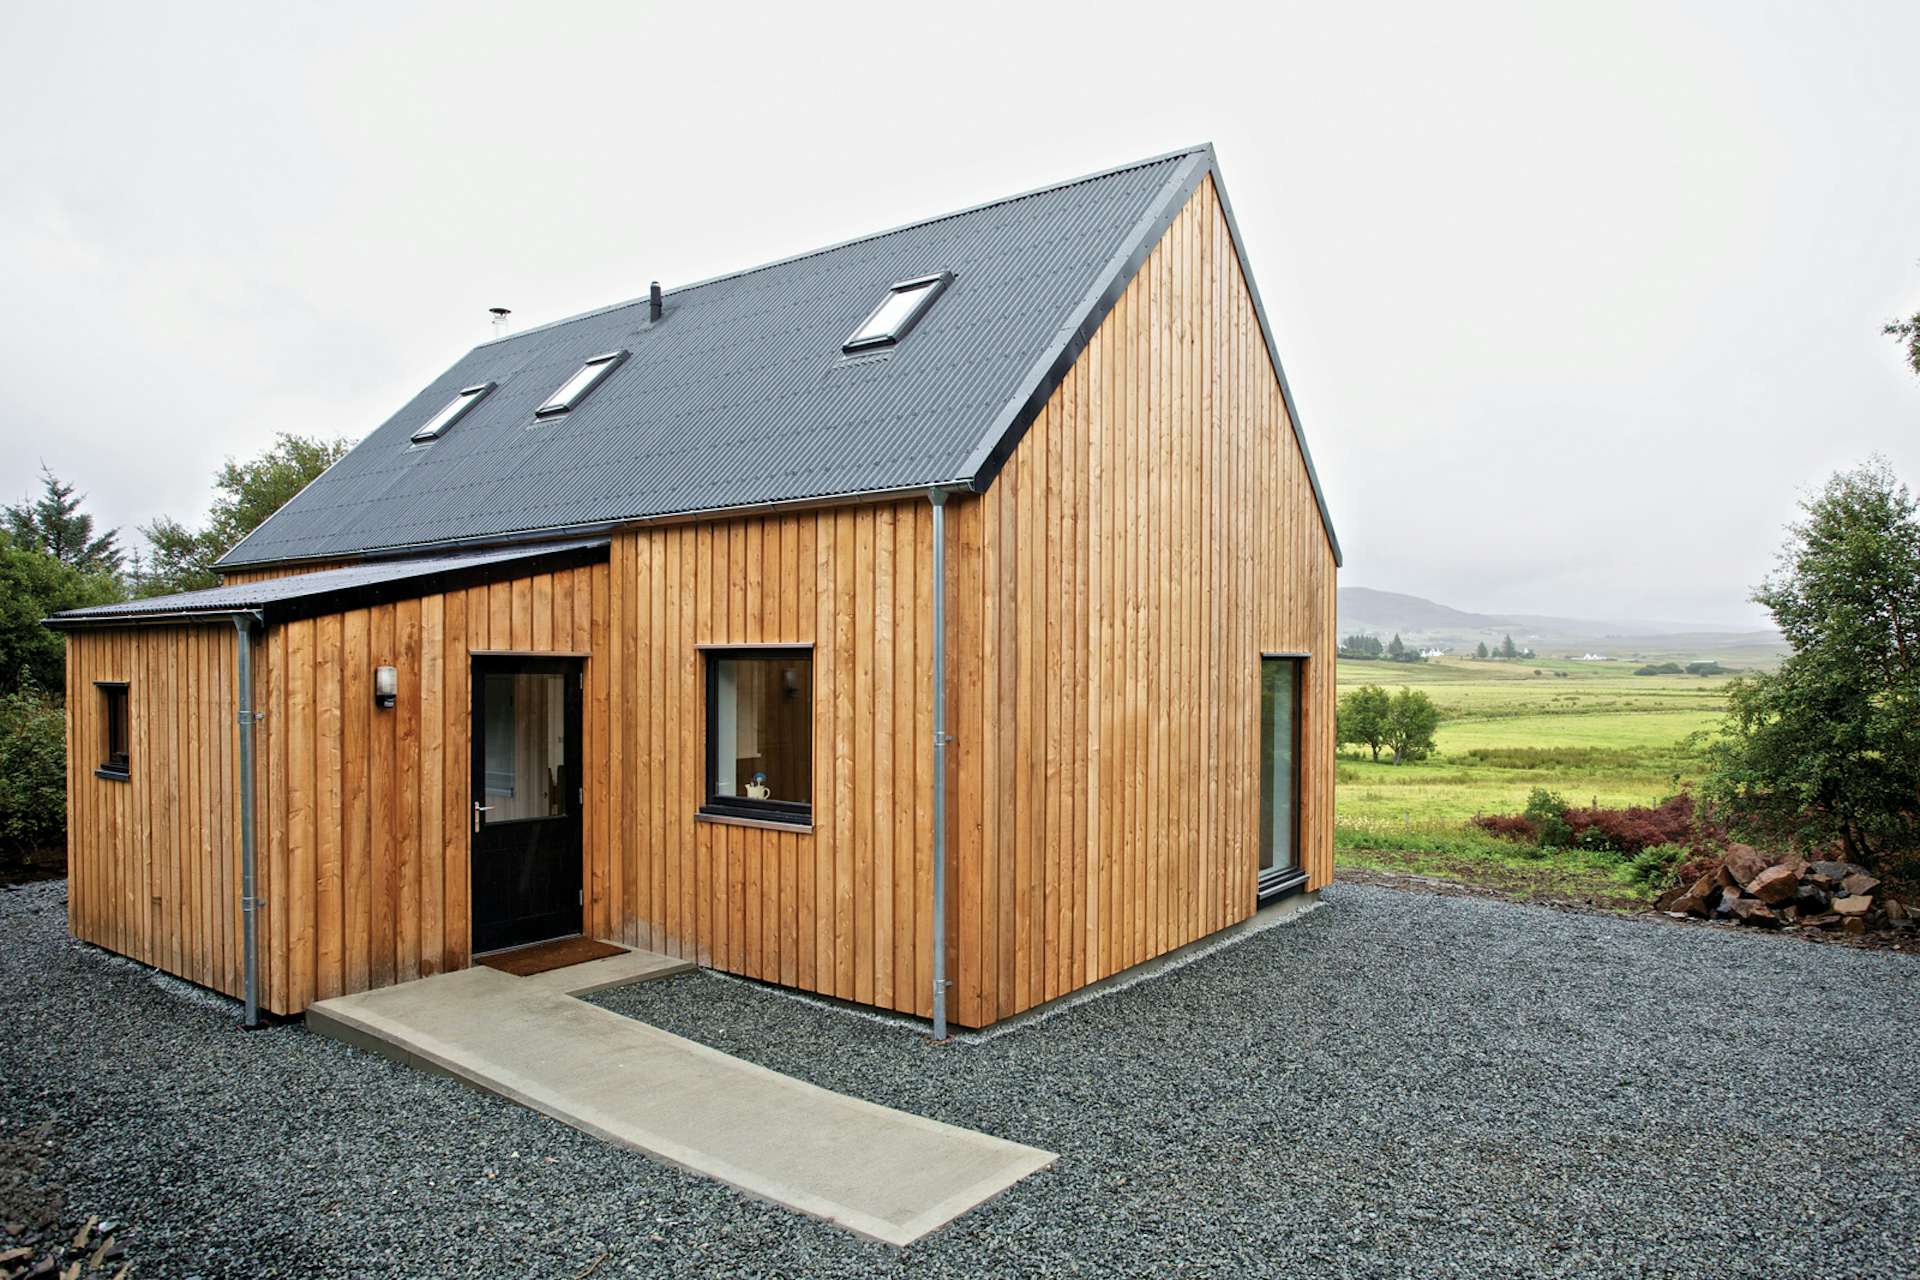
<point>1424,623</point>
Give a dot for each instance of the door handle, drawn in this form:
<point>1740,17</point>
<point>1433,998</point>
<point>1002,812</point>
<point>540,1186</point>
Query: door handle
<point>479,809</point>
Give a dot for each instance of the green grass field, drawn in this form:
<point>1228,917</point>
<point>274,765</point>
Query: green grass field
<point>1596,734</point>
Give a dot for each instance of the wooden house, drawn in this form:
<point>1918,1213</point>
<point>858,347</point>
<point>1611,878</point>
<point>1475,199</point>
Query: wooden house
<point>942,621</point>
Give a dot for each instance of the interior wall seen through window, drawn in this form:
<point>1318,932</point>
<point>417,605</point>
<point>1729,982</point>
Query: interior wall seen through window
<point>763,728</point>
<point>526,746</point>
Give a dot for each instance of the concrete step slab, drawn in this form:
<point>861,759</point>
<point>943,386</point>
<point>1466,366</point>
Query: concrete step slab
<point>881,1173</point>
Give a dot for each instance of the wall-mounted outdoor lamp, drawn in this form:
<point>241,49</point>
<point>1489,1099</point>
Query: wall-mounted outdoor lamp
<point>386,686</point>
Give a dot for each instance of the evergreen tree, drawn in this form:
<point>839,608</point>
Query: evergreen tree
<point>1361,645</point>
<point>56,526</point>
<point>1480,650</point>
<point>1508,649</point>
<point>1395,649</point>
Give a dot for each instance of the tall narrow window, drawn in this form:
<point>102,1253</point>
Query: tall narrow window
<point>898,312</point>
<point>575,389</point>
<point>115,755</point>
<point>760,734</point>
<point>442,422</point>
<point>1279,774</point>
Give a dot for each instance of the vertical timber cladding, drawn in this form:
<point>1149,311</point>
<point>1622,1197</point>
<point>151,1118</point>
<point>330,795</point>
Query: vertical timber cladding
<point>843,908</point>
<point>153,870</point>
<point>235,577</point>
<point>364,813</point>
<point>1150,537</point>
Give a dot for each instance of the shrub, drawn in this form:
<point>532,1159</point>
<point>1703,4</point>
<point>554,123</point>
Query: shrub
<point>1547,810</point>
<point>1654,866</point>
<point>33,774</point>
<point>1635,828</point>
<point>1660,669</point>
<point>1509,826</point>
<point>1674,823</point>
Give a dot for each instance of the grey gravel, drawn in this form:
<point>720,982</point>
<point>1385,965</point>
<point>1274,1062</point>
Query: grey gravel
<point>1398,1084</point>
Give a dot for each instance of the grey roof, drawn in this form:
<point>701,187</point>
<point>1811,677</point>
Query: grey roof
<point>303,595</point>
<point>740,398</point>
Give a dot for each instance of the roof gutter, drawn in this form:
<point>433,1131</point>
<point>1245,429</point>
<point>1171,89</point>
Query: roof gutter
<point>171,618</point>
<point>597,528</point>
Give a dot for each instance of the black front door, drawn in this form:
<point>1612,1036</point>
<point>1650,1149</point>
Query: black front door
<point>526,800</point>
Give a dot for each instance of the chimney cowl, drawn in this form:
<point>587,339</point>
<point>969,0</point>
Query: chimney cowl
<point>499,315</point>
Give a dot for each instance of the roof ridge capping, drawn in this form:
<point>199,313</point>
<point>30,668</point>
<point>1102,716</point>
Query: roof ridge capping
<point>1196,149</point>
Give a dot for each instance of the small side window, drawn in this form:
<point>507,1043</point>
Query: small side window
<point>115,757</point>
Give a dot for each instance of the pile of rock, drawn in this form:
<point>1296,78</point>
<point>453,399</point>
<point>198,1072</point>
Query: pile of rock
<point>36,1255</point>
<point>1748,887</point>
<point>37,1238</point>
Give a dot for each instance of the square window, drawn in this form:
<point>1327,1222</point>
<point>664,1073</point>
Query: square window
<point>115,758</point>
<point>760,734</point>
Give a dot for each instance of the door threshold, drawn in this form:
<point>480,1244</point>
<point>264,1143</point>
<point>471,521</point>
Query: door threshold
<point>554,953</point>
<point>522,946</point>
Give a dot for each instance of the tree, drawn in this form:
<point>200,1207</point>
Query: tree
<point>33,775</point>
<point>245,494</point>
<point>1480,650</point>
<point>1395,649</point>
<point>1361,645</point>
<point>1411,722</point>
<point>1507,649</point>
<point>1827,747</point>
<point>34,584</point>
<point>56,525</point>
<point>1907,331</point>
<point>1362,717</point>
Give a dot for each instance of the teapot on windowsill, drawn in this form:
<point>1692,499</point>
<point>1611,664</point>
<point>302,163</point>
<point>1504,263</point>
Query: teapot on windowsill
<point>757,788</point>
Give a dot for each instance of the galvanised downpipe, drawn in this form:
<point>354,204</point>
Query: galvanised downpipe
<point>243,678</point>
<point>939,499</point>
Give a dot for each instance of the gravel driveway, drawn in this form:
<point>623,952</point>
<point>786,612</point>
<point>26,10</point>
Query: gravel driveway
<point>1397,1084</point>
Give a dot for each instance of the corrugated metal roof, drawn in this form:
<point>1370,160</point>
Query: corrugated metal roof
<point>307,594</point>
<point>740,396</point>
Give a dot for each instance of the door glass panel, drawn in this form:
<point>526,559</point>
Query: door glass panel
<point>526,747</point>
<point>1279,762</point>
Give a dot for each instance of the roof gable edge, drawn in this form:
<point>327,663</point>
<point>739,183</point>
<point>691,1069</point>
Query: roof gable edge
<point>997,443</point>
<point>983,464</point>
<point>1279,370</point>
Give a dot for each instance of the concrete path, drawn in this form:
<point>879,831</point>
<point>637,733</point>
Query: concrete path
<point>880,1173</point>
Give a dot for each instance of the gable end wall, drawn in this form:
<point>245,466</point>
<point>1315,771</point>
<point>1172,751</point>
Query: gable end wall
<point>1151,536</point>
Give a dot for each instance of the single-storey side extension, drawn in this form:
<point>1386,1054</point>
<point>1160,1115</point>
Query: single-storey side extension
<point>941,621</point>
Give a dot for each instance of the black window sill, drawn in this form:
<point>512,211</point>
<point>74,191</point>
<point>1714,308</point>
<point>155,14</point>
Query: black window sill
<point>754,816</point>
<point>113,775</point>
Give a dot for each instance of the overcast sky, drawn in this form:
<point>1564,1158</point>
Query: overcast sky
<point>1575,299</point>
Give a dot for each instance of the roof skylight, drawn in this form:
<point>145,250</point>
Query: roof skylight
<point>455,409</point>
<point>584,379</point>
<point>898,312</point>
